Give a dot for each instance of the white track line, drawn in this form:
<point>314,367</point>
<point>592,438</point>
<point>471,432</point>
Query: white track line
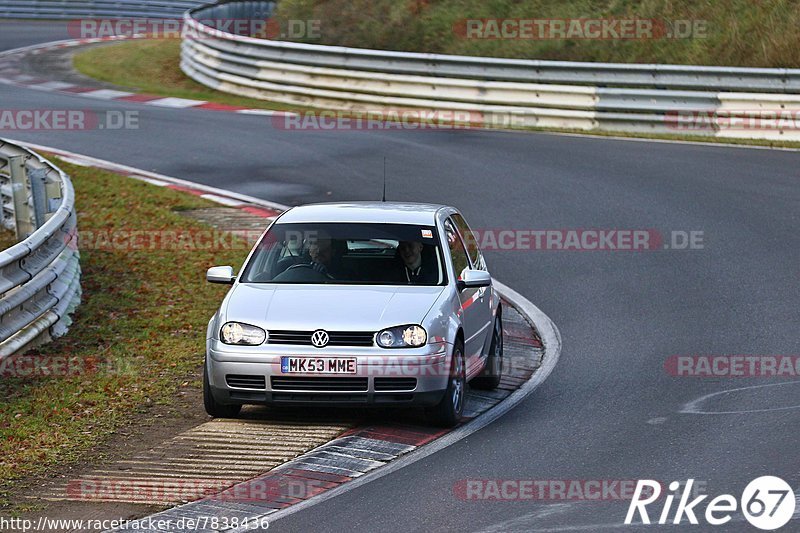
<point>52,86</point>
<point>106,94</point>
<point>177,103</point>
<point>73,157</point>
<point>693,407</point>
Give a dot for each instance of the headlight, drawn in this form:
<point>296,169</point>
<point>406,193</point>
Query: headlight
<point>402,337</point>
<point>238,333</point>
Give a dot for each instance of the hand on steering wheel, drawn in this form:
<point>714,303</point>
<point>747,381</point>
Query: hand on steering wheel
<point>316,267</point>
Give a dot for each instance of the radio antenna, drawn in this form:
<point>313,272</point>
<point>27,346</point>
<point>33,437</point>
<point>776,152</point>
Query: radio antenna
<point>384,178</point>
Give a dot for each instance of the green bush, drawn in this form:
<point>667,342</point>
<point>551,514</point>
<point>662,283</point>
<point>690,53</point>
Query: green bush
<point>739,32</point>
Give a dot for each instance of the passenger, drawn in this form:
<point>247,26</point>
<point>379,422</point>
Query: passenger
<point>414,270</point>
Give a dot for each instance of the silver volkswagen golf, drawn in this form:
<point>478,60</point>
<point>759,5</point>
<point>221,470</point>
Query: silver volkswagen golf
<point>356,304</point>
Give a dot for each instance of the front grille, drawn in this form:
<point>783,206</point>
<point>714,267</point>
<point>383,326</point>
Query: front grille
<point>398,384</point>
<point>246,382</point>
<point>337,338</point>
<point>319,384</point>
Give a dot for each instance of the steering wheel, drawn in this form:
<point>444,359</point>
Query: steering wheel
<point>297,273</point>
<point>301,265</point>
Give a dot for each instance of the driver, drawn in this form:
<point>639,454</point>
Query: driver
<point>321,253</point>
<point>324,256</point>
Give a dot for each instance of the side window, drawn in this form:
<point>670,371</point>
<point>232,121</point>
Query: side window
<point>457,250</point>
<point>469,239</point>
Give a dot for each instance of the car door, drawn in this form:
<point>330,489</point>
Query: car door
<point>485,294</point>
<point>477,317</point>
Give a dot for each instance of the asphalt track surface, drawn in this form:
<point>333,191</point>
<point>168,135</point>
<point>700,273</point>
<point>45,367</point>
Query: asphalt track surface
<point>609,411</point>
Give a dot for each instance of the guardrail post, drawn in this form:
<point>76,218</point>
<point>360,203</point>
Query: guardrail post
<point>6,196</point>
<point>38,195</point>
<point>24,217</point>
<point>53,193</point>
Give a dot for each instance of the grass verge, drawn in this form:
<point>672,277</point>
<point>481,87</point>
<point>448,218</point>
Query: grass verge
<point>137,339</point>
<point>152,66</point>
<point>7,239</point>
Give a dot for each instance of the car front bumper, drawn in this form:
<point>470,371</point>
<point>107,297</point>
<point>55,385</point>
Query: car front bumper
<point>252,375</point>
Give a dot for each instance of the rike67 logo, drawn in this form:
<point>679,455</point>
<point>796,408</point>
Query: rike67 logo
<point>767,503</point>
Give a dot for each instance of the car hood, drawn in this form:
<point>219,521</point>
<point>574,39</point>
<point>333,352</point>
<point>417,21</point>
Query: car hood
<point>329,307</point>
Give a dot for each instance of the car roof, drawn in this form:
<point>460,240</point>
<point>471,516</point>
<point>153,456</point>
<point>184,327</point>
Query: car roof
<point>382,212</point>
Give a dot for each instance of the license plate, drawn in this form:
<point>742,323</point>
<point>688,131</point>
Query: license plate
<point>318,365</point>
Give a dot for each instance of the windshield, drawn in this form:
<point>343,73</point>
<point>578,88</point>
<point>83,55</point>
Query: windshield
<point>352,253</point>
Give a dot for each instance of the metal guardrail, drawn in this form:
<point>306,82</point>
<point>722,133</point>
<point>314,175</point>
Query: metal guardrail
<point>40,275</point>
<point>498,92</point>
<point>70,9</point>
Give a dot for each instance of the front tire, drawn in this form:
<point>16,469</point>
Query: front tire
<point>489,379</point>
<point>448,412</point>
<point>214,408</point>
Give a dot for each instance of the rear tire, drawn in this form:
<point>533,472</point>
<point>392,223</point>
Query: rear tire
<point>489,379</point>
<point>447,413</point>
<point>214,408</point>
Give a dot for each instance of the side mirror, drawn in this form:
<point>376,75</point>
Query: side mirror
<point>474,279</point>
<point>221,274</point>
